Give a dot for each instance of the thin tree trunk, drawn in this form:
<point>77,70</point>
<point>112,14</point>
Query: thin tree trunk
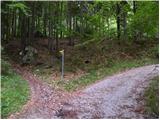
<point>8,28</point>
<point>61,36</point>
<point>49,25</point>
<point>134,7</point>
<point>32,23</point>
<point>15,24</point>
<point>134,11</point>
<point>125,24</point>
<point>44,23</point>
<point>23,33</point>
<point>12,25</point>
<point>70,23</point>
<point>28,25</point>
<point>118,21</point>
<point>108,22</point>
<point>57,31</point>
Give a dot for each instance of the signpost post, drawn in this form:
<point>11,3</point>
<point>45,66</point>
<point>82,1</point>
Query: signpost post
<point>62,69</point>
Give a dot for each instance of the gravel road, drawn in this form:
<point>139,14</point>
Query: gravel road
<point>117,96</point>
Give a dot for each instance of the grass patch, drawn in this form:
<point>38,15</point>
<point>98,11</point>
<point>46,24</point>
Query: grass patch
<point>152,99</point>
<point>14,91</point>
<point>104,71</point>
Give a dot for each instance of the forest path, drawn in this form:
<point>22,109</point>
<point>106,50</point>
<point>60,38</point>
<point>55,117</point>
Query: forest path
<point>44,100</point>
<point>117,96</point>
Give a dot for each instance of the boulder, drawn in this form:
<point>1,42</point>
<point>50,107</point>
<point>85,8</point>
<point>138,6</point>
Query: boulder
<point>29,55</point>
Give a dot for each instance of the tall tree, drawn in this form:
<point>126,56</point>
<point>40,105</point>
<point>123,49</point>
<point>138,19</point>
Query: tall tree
<point>118,20</point>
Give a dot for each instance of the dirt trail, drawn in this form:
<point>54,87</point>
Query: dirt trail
<point>44,101</point>
<point>118,96</point>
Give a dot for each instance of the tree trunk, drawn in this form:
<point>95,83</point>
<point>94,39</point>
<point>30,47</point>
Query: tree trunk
<point>118,21</point>
<point>23,33</point>
<point>134,11</point>
<point>70,23</point>
<point>124,24</point>
<point>56,28</point>
<point>108,25</point>
<point>12,25</point>
<point>28,26</point>
<point>61,33</point>
<point>15,24</point>
<point>8,28</point>
<point>134,7</point>
<point>44,22</point>
<point>32,23</point>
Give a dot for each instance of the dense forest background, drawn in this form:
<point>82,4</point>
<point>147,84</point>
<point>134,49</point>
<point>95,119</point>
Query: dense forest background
<point>89,20</point>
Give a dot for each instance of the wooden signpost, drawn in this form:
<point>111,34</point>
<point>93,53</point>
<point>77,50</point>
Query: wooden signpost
<point>62,69</point>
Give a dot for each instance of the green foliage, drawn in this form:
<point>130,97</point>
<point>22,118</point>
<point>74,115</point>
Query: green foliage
<point>20,6</point>
<point>152,98</point>
<point>14,91</point>
<point>145,21</point>
<point>92,20</point>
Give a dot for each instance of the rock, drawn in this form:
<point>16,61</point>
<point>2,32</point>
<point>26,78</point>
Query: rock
<point>66,114</point>
<point>29,55</point>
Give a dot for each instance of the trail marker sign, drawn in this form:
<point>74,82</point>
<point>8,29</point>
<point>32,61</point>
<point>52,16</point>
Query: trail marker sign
<point>62,69</point>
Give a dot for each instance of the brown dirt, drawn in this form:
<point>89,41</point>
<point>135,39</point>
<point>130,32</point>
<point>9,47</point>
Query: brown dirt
<point>44,100</point>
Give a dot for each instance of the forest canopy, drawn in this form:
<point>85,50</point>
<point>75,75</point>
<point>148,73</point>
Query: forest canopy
<point>92,20</point>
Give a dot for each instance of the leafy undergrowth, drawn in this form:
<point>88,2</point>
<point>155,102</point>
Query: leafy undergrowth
<point>152,98</point>
<point>104,71</point>
<point>14,91</point>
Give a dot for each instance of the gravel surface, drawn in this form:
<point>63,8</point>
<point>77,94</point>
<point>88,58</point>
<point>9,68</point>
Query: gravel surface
<point>118,96</point>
